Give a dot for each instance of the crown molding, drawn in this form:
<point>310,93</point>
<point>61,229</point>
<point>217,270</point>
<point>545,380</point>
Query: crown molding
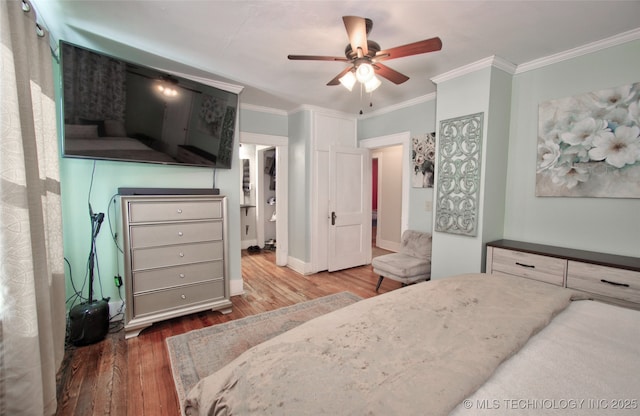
<point>322,110</point>
<point>399,106</point>
<point>616,40</point>
<point>261,109</point>
<point>491,61</point>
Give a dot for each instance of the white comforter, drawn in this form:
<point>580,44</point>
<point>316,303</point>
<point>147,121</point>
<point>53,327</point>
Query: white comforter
<point>414,351</point>
<point>586,362</point>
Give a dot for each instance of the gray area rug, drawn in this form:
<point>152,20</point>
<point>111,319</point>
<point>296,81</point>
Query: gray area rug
<point>196,354</point>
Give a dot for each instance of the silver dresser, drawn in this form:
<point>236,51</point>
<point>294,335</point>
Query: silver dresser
<point>175,257</point>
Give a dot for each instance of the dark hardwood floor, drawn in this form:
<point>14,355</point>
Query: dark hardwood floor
<point>133,377</point>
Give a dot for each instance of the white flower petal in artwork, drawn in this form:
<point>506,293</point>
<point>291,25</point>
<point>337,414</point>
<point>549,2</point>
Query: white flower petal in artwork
<point>613,97</point>
<point>577,153</point>
<point>569,175</point>
<point>584,131</point>
<point>634,113</point>
<point>619,117</point>
<point>620,149</point>
<point>548,155</point>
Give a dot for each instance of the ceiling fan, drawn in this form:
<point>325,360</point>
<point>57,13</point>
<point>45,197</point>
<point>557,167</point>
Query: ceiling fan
<point>365,56</point>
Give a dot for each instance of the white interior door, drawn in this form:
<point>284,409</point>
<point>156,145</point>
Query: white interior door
<point>349,208</point>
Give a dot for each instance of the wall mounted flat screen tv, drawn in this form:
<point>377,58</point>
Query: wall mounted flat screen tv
<point>118,110</point>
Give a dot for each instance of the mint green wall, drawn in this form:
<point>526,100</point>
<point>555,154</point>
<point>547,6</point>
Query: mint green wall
<point>467,94</point>
<point>75,184</point>
<point>260,122</point>
<point>299,185</point>
<point>417,119</point>
<point>599,224</point>
<point>494,165</point>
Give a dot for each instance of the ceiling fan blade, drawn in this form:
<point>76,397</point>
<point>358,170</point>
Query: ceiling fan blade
<point>336,80</point>
<point>390,74</point>
<point>316,58</point>
<point>357,32</point>
<point>416,48</point>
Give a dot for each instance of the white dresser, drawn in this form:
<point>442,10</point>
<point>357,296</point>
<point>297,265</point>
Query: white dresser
<point>607,277</point>
<point>175,257</point>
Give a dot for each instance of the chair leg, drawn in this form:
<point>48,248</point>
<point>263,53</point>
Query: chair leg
<point>379,283</point>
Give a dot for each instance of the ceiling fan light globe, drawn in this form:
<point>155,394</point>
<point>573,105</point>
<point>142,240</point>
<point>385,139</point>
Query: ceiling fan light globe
<point>348,80</point>
<point>364,72</point>
<point>372,84</point>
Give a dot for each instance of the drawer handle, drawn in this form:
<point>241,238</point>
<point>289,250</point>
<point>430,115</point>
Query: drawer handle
<point>179,211</point>
<point>530,266</point>
<point>614,283</point>
<point>183,296</point>
<point>181,275</point>
<point>181,254</point>
<point>180,234</point>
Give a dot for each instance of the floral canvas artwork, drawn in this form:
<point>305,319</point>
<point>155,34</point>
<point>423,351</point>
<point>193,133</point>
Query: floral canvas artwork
<point>589,145</point>
<point>423,156</point>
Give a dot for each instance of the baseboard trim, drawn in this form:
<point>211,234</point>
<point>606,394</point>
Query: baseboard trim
<point>388,245</point>
<point>236,287</point>
<point>299,266</point>
<point>114,309</point>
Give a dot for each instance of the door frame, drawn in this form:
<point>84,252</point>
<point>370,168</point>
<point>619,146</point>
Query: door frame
<point>281,143</point>
<point>404,139</point>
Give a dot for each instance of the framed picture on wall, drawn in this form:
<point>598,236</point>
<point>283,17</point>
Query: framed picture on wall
<point>589,144</point>
<point>423,154</point>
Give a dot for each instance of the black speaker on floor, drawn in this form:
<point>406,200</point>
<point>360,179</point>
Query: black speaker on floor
<point>88,322</point>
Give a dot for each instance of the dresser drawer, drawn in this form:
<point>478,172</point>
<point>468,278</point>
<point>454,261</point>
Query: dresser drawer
<point>175,233</point>
<point>533,266</point>
<point>149,211</point>
<point>606,281</point>
<point>154,257</point>
<point>153,279</point>
<point>180,297</point>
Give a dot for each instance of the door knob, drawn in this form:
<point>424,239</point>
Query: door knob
<point>333,218</point>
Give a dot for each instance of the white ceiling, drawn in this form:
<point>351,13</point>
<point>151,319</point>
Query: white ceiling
<point>247,42</point>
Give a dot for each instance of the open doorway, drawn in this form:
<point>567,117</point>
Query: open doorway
<point>388,220</point>
<point>390,161</point>
<point>269,182</point>
<point>266,214</point>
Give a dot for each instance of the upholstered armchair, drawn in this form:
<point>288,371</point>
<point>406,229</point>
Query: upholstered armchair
<point>411,264</point>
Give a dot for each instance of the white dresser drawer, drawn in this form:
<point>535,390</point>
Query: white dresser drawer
<point>606,281</point>
<point>164,300</point>
<point>150,235</point>
<point>155,279</point>
<point>149,211</point>
<point>156,257</point>
<point>533,266</point>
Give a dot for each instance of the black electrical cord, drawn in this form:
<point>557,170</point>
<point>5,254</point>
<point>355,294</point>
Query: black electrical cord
<point>114,234</point>
<point>77,294</point>
<point>116,325</point>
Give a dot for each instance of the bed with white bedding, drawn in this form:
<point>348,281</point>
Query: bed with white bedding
<point>427,348</point>
<point>587,361</point>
